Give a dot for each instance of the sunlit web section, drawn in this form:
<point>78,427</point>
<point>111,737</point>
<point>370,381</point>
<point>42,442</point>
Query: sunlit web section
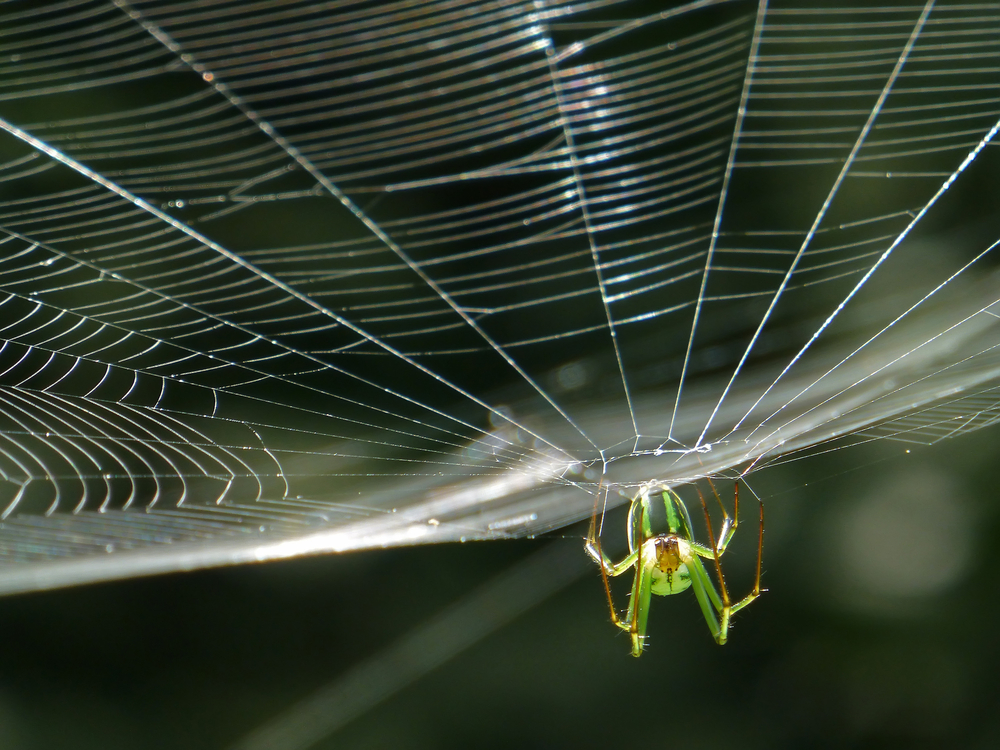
<point>288,278</point>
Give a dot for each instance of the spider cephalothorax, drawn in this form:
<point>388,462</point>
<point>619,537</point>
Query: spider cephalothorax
<point>667,556</point>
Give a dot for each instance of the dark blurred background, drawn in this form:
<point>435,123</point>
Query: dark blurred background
<point>876,631</point>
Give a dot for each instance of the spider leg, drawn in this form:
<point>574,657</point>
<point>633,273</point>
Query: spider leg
<point>715,552</point>
<point>729,524</point>
<point>638,607</point>
<point>716,614</point>
<point>593,548</point>
<point>757,590</point>
<point>608,568</point>
<point>705,590</point>
<point>642,584</point>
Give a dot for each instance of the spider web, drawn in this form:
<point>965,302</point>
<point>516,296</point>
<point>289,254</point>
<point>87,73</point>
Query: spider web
<point>289,278</point>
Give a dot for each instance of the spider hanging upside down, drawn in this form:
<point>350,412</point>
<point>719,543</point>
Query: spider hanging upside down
<point>668,563</point>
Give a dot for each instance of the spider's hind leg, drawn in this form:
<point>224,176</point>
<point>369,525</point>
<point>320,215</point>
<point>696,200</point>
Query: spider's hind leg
<point>727,608</point>
<point>757,590</point>
<point>608,568</point>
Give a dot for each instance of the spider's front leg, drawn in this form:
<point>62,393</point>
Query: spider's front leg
<point>638,605</point>
<point>593,548</point>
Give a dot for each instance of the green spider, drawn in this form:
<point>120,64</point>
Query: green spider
<point>668,563</point>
